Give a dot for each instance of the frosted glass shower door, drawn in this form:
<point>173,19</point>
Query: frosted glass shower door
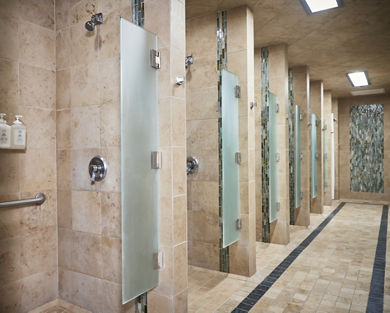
<point>230,167</point>
<point>325,157</point>
<point>313,156</point>
<point>332,155</point>
<point>297,157</point>
<point>273,158</point>
<point>139,182</point>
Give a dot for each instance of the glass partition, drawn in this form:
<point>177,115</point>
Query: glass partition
<point>139,182</point>
<point>325,156</point>
<point>230,167</point>
<point>273,158</point>
<point>313,156</point>
<point>297,156</point>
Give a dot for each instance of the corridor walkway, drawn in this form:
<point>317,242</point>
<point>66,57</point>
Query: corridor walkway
<point>333,274</point>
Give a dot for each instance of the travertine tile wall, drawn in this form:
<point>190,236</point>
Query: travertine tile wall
<point>258,174</point>
<point>202,139</point>
<point>326,111</point>
<point>278,84</point>
<point>302,98</point>
<point>344,105</point>
<point>240,55</point>
<point>316,103</point>
<point>88,123</point>
<point>335,111</point>
<point>28,235</point>
<point>202,142</point>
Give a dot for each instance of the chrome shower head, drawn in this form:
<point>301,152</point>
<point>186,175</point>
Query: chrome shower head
<point>96,19</point>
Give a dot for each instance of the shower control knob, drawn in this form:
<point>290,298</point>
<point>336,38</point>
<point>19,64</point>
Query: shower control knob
<point>97,169</point>
<point>192,165</point>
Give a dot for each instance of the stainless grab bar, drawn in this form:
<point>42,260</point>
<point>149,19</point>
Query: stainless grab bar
<point>39,199</point>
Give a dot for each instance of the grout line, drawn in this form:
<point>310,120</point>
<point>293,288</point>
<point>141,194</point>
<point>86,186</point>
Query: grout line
<point>249,302</point>
<point>375,298</point>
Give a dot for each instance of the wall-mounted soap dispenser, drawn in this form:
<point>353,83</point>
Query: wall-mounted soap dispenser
<point>5,132</point>
<point>18,134</point>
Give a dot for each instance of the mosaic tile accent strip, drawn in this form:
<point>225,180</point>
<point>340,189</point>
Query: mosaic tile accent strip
<point>138,12</point>
<point>249,302</point>
<point>265,144</point>
<point>221,64</point>
<point>291,159</point>
<point>367,148</point>
<point>377,287</point>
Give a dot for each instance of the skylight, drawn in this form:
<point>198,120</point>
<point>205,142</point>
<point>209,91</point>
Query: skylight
<point>321,5</point>
<point>358,79</point>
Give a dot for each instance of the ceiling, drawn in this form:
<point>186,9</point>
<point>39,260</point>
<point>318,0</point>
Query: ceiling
<point>332,43</point>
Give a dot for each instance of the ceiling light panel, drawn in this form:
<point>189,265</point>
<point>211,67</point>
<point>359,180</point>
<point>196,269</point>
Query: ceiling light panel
<point>358,79</point>
<point>314,6</point>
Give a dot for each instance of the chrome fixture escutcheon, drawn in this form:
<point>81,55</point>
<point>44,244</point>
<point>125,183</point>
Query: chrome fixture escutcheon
<point>97,169</point>
<point>192,165</point>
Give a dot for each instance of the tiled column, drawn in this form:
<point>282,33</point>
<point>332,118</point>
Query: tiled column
<point>326,157</point>
<point>316,103</point>
<point>258,174</point>
<point>241,62</point>
<point>302,98</point>
<point>278,84</point>
<point>166,18</point>
<point>335,111</point>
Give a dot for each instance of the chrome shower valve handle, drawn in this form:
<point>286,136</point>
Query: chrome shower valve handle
<point>97,169</point>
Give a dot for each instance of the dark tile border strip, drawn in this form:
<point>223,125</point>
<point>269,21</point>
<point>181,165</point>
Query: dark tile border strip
<point>377,287</point>
<point>250,301</point>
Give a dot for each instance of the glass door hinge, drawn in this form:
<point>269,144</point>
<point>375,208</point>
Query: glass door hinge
<point>237,91</point>
<point>155,59</point>
<point>158,260</point>
<point>277,156</point>
<point>238,158</point>
<point>239,224</point>
<point>156,160</point>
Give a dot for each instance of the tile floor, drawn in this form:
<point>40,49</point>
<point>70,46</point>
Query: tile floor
<point>332,274</point>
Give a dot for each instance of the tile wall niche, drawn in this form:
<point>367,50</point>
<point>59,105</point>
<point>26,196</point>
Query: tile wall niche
<point>345,112</point>
<point>28,235</point>
<point>88,123</point>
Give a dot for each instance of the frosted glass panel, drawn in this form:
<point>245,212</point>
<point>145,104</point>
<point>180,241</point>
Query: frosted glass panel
<point>230,168</point>
<point>273,159</point>
<point>139,137</point>
<point>332,156</point>
<point>313,156</point>
<point>297,156</point>
<point>325,157</point>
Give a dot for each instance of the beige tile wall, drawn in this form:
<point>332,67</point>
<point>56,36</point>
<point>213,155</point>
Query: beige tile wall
<point>202,139</point>
<point>316,103</point>
<point>326,111</point>
<point>202,142</point>
<point>240,56</point>
<point>278,84</point>
<point>28,235</point>
<point>335,111</point>
<point>88,123</point>
<point>302,98</point>
<point>344,105</point>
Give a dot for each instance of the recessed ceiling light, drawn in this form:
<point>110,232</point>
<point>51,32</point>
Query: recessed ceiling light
<point>314,6</point>
<point>366,92</point>
<point>358,79</point>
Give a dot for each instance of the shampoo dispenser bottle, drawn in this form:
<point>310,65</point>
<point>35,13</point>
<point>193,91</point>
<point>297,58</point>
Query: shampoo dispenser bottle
<point>18,131</point>
<point>5,132</point>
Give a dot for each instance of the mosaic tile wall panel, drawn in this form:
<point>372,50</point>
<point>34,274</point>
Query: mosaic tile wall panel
<point>367,148</point>
<point>221,64</point>
<point>265,143</point>
<point>137,7</point>
<point>291,160</point>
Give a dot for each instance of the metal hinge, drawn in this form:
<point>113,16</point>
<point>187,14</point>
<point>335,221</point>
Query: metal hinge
<point>301,156</point>
<point>239,224</point>
<point>277,155</point>
<point>155,59</point>
<point>156,160</point>
<point>237,91</point>
<point>301,116</point>
<point>253,104</point>
<point>237,158</point>
<point>277,108</point>
<point>158,260</point>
